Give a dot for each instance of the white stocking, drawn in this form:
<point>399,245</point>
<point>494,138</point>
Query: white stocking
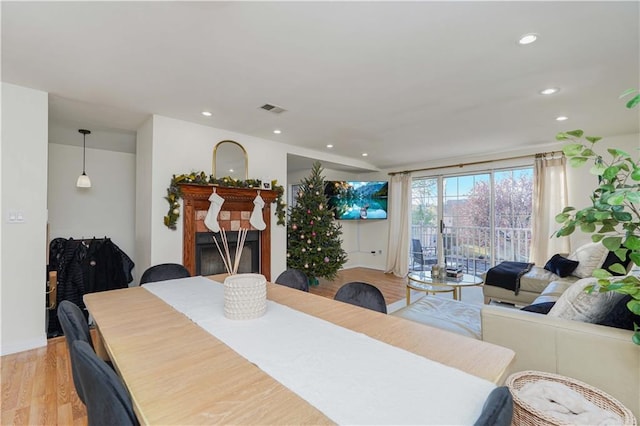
<point>211,221</point>
<point>256,216</point>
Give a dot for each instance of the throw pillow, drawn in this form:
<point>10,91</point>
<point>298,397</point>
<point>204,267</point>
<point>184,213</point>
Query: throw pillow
<point>590,257</point>
<point>561,266</point>
<point>539,308</point>
<point>620,316</point>
<point>612,259</point>
<point>578,305</point>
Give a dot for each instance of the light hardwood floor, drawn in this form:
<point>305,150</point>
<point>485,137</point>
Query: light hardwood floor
<point>393,288</point>
<point>37,387</point>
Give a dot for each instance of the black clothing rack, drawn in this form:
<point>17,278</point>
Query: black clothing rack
<point>85,265</point>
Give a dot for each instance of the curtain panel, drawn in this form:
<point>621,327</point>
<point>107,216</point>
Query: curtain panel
<point>549,198</point>
<point>399,210</point>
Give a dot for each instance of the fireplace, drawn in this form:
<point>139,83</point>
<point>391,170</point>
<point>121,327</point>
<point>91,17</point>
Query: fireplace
<point>209,262</point>
<point>235,214</point>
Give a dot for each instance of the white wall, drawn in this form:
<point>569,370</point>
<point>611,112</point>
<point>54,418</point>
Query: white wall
<point>143,217</point>
<point>359,238</point>
<point>181,147</point>
<point>24,189</point>
<point>105,209</point>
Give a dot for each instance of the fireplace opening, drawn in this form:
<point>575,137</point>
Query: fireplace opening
<point>209,261</point>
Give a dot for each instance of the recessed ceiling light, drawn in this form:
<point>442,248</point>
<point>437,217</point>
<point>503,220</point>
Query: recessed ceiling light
<point>364,154</point>
<point>277,131</point>
<point>562,118</point>
<point>230,170</point>
<point>329,146</point>
<point>206,113</point>
<point>549,91</point>
<point>528,38</point>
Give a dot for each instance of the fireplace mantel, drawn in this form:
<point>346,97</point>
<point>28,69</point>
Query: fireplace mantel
<point>196,198</point>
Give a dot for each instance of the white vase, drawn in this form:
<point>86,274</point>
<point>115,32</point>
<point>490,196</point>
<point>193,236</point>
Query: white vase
<point>245,296</point>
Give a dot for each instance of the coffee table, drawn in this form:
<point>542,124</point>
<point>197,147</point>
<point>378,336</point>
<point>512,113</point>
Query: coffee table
<point>422,281</point>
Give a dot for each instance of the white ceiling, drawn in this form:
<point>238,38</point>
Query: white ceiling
<point>407,82</point>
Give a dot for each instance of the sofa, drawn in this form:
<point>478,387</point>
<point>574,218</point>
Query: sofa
<point>552,279</point>
<point>602,356</point>
<point>535,283</point>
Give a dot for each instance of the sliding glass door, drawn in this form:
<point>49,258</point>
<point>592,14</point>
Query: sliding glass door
<point>471,221</point>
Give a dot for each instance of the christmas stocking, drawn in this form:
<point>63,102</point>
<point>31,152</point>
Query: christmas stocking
<point>211,221</point>
<point>256,216</point>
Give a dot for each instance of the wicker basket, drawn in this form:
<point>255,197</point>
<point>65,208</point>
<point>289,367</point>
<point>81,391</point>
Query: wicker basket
<point>525,414</point>
<point>245,296</point>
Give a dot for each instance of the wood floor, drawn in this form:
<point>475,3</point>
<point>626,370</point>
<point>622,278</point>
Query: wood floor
<point>37,387</point>
<point>392,287</point>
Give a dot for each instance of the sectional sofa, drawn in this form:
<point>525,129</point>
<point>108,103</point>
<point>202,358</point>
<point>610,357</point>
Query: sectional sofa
<point>602,356</point>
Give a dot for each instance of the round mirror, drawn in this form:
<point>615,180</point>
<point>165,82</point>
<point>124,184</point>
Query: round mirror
<point>230,159</point>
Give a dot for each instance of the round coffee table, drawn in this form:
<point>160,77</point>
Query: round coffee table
<point>422,281</point>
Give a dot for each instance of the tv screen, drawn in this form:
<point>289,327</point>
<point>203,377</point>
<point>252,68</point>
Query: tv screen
<point>353,200</point>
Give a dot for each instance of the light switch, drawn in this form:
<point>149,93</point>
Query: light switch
<point>15,216</point>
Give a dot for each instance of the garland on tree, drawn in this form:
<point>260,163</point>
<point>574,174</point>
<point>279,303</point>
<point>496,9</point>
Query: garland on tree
<point>314,245</point>
<point>201,178</point>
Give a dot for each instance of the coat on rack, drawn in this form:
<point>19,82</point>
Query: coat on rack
<point>86,266</point>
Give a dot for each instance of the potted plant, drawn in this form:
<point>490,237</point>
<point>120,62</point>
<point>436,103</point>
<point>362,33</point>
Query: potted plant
<point>614,216</point>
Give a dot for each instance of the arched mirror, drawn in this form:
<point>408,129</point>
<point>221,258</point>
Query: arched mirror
<point>230,159</point>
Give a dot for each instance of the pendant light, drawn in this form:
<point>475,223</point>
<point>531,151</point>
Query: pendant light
<point>83,179</point>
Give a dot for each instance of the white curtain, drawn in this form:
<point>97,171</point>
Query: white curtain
<point>549,198</point>
<point>399,208</point>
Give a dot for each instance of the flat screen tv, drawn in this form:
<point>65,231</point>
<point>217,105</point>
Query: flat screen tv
<point>355,200</point>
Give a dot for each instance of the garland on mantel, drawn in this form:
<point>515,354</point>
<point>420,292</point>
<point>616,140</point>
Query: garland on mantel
<point>201,178</point>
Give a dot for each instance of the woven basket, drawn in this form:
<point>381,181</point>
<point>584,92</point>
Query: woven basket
<point>245,296</point>
<point>525,414</point>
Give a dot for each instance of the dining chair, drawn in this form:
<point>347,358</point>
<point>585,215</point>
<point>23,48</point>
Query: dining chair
<point>293,278</point>
<point>75,328</point>
<point>164,272</point>
<point>108,401</point>
<point>497,409</point>
<point>362,294</point>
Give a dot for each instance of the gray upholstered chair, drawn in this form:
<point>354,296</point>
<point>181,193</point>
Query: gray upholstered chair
<point>164,272</point>
<point>107,400</point>
<point>75,327</point>
<point>498,408</point>
<point>362,294</point>
<point>293,278</point>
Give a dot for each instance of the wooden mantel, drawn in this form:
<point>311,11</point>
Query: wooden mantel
<point>196,198</point>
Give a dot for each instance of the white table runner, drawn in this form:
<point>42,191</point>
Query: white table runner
<point>350,377</point>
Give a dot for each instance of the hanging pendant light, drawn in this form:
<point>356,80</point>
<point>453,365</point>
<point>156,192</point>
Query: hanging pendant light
<point>83,179</point>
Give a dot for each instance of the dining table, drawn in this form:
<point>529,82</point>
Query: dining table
<point>307,360</point>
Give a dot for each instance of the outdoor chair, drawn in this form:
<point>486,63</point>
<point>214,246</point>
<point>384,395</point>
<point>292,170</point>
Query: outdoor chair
<point>419,259</point>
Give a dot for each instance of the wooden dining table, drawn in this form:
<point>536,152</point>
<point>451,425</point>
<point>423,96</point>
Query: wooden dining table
<point>178,373</point>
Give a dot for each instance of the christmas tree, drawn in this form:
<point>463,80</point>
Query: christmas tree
<point>314,245</point>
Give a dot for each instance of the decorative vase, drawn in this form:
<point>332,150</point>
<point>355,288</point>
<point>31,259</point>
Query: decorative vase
<point>245,296</point>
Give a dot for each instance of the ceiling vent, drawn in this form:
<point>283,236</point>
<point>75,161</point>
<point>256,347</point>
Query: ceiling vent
<point>273,108</point>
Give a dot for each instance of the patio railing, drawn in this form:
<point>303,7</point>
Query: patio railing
<point>470,246</point>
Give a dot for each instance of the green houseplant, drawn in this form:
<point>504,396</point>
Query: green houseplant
<point>614,216</point>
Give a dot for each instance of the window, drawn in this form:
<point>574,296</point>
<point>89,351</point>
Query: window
<point>475,220</point>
